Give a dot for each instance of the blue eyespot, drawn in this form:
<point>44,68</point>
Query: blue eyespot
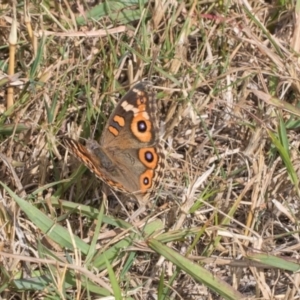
<point>149,156</point>
<point>142,127</point>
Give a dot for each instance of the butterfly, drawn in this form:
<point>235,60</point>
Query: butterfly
<point>129,157</point>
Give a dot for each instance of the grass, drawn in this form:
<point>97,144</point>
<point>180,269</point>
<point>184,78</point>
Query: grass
<point>224,224</point>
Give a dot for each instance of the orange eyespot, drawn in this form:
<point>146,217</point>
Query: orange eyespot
<point>146,180</point>
<point>148,157</point>
<point>141,128</point>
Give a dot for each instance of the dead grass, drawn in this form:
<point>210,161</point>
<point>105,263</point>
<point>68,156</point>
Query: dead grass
<point>225,223</point>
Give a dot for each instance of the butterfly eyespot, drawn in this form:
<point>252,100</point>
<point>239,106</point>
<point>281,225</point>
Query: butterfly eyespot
<point>146,180</point>
<point>142,100</point>
<point>142,126</point>
<point>149,156</point>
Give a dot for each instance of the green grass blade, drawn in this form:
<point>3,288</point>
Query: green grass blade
<point>55,232</point>
<point>113,281</point>
<point>196,271</point>
<point>275,262</point>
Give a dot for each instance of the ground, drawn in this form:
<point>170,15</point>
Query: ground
<point>223,223</point>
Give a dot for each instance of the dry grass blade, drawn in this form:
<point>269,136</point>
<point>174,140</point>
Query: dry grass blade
<point>12,53</point>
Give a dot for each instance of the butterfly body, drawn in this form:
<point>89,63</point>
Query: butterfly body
<point>129,156</point>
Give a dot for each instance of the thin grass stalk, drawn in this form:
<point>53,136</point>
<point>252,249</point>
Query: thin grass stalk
<point>12,53</point>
